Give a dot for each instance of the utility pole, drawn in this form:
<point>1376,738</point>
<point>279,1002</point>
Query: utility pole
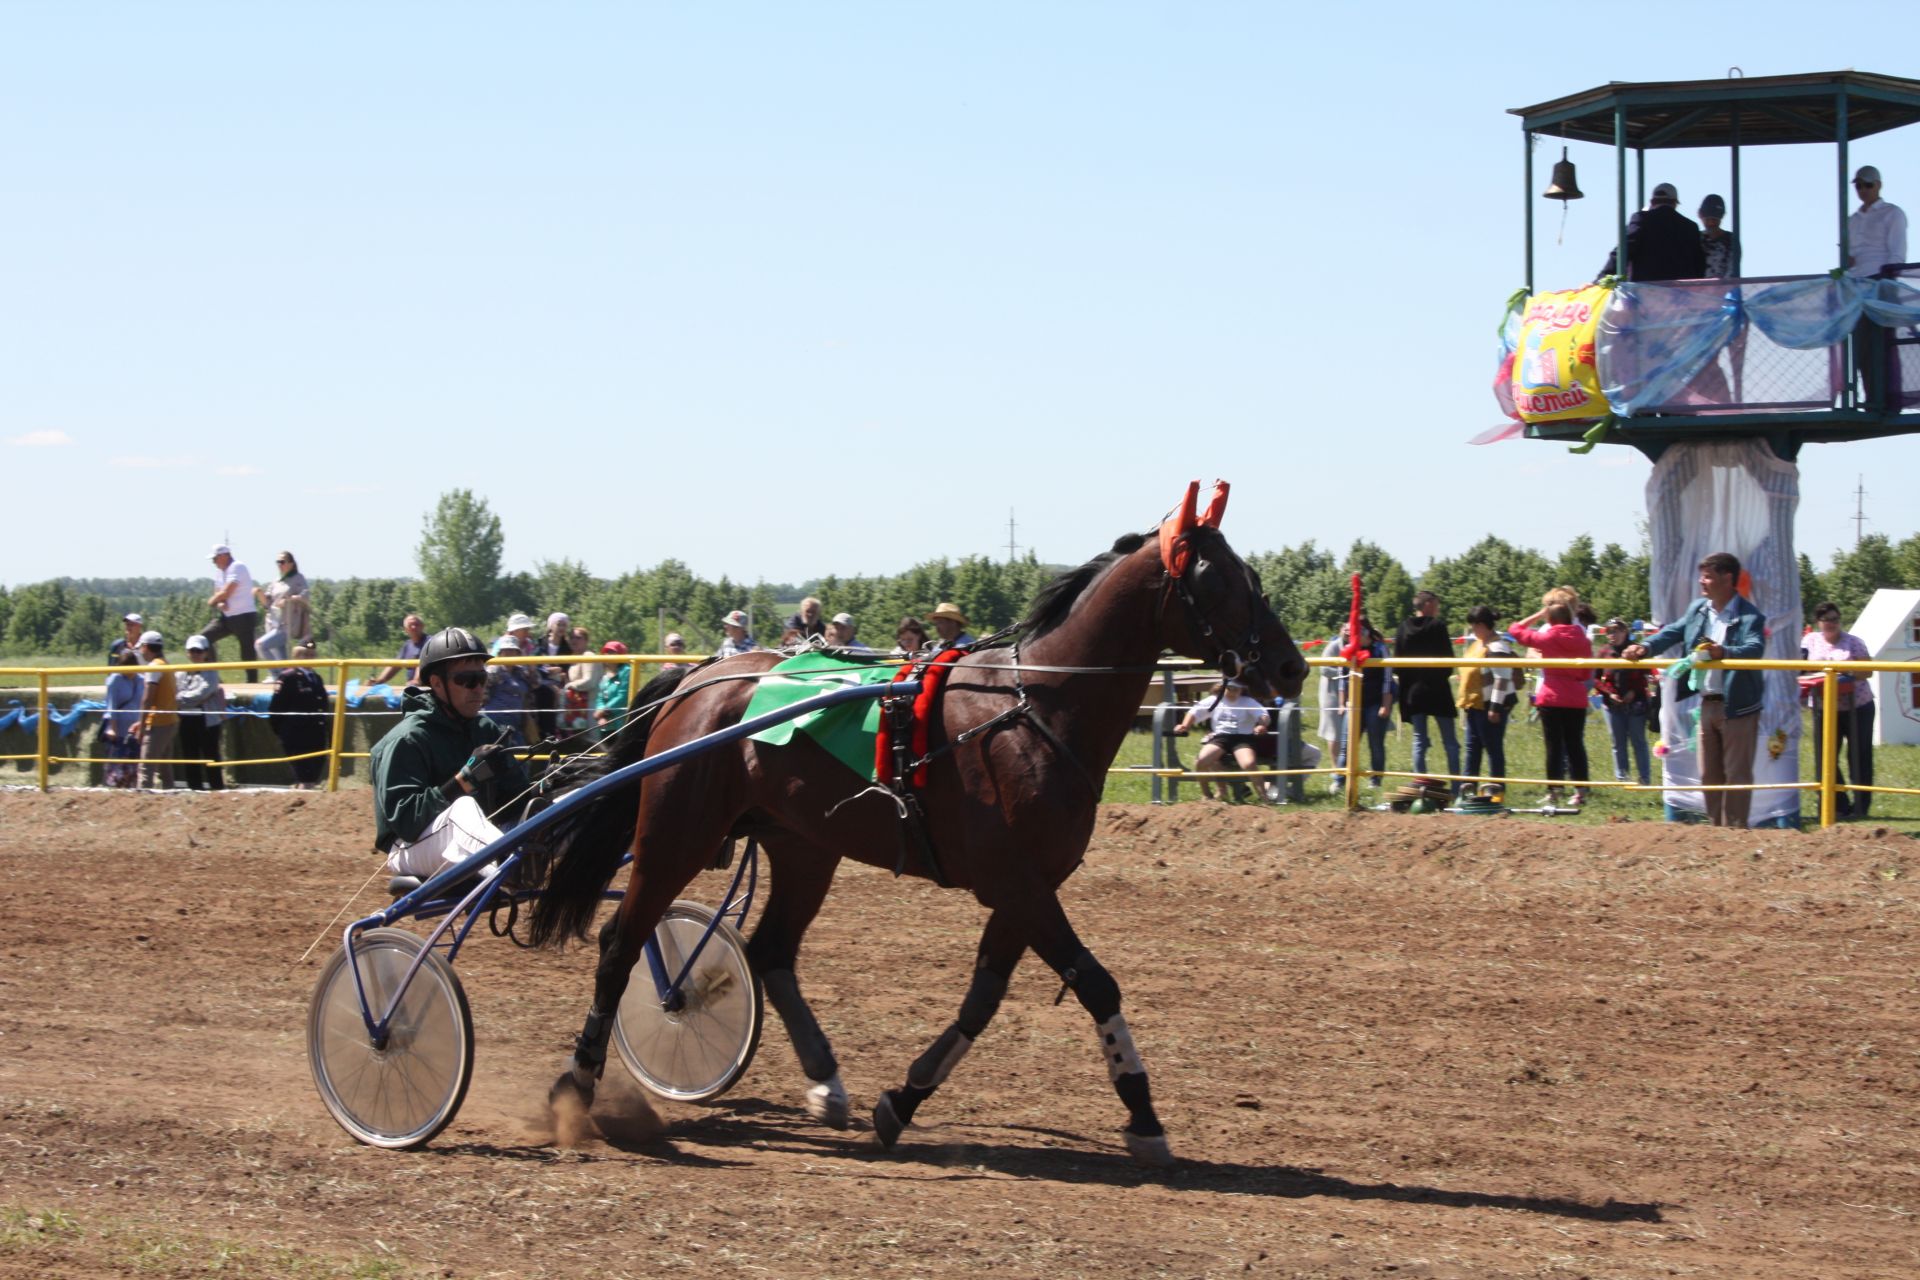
<point>1859,511</point>
<point>1012,547</point>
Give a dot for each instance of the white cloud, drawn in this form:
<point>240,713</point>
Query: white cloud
<point>143,463</point>
<point>41,439</point>
<point>238,469</point>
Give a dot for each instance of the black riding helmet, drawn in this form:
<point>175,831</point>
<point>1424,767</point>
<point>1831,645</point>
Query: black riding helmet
<point>446,646</point>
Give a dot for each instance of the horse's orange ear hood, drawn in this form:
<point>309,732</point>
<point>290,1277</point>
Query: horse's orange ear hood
<point>1175,528</point>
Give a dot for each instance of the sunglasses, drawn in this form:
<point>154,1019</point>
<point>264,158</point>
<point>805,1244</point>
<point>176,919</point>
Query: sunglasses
<point>468,679</point>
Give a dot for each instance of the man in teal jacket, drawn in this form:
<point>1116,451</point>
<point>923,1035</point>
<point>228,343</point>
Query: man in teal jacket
<point>440,771</point>
<point>1721,624</point>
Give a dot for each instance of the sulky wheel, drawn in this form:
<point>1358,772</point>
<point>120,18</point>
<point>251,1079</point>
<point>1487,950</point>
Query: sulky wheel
<point>698,1050</point>
<point>403,1093</point>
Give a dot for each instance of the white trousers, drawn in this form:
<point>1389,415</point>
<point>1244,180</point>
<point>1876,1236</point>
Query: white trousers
<point>460,831</point>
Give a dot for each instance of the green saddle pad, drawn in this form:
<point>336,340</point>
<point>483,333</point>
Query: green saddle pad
<point>846,731</point>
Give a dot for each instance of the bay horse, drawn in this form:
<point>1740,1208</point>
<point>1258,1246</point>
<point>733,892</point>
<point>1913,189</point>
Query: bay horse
<point>1009,810</point>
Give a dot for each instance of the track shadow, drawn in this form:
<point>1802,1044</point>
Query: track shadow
<point>964,1153</point>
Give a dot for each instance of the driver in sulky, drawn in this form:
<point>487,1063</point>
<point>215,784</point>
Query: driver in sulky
<point>440,771</point>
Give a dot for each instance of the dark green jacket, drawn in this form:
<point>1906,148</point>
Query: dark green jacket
<point>419,755</point>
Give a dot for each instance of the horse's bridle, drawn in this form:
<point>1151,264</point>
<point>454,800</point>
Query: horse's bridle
<point>1227,661</point>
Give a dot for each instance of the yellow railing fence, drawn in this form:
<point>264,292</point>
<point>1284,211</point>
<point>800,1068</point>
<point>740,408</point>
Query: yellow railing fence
<point>342,668</point>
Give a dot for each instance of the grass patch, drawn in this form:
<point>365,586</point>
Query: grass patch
<point>45,1235</point>
<point>53,680</point>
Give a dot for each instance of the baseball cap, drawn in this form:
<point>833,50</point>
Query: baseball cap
<point>738,618</point>
<point>1664,191</point>
<point>1867,173</point>
<point>843,619</point>
<point>135,619</point>
<point>519,622</point>
<point>197,644</point>
<point>673,638</point>
<point>1713,207</point>
<point>219,549</point>
<point>150,637</point>
<point>614,646</point>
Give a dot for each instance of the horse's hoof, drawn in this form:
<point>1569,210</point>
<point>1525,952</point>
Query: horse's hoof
<point>1153,1151</point>
<point>575,1084</point>
<point>827,1103</point>
<point>886,1125</point>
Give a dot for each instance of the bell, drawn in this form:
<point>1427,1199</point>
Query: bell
<point>1564,185</point>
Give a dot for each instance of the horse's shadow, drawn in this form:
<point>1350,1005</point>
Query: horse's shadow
<point>964,1151</point>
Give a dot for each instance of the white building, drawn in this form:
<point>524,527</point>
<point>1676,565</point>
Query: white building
<point>1890,628</point>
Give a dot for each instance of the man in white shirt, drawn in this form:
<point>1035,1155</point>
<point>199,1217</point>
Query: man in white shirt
<point>1876,238</point>
<point>233,607</point>
<point>1237,720</point>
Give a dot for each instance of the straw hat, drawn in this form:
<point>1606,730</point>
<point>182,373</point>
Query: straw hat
<point>947,609</point>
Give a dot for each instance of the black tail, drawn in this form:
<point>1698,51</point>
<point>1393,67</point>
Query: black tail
<point>573,859</point>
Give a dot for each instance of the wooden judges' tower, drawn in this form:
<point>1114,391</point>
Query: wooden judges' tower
<point>1721,381</point>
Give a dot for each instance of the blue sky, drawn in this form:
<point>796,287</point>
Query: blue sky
<point>782,290</point>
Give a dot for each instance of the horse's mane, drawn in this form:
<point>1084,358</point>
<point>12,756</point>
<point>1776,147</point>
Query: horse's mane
<point>1055,600</point>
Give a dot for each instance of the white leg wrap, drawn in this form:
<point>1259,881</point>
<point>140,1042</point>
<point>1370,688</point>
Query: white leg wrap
<point>827,1102</point>
<point>1116,1046</point>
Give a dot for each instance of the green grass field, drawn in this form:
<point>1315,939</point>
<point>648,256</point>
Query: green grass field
<point>50,660</point>
<point>1526,758</point>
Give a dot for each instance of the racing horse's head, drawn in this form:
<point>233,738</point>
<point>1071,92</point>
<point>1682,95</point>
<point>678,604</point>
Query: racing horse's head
<point>1222,616</point>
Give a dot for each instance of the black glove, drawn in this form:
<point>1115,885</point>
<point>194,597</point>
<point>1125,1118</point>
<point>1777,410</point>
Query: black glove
<point>477,769</point>
<point>479,765</point>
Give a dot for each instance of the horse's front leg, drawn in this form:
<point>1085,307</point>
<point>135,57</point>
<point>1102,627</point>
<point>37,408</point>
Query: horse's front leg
<point>621,940</point>
<point>1002,943</point>
<point>1053,939</point>
<point>619,950</point>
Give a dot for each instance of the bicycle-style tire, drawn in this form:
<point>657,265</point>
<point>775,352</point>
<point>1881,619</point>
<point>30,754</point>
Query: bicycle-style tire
<point>701,1050</point>
<point>401,1095</point>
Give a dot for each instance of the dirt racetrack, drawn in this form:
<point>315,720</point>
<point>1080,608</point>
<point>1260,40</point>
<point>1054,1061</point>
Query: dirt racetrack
<point>1407,1046</point>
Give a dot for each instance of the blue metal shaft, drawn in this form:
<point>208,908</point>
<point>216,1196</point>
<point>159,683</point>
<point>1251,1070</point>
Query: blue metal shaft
<point>512,840</point>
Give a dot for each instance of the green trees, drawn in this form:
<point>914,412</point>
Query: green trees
<point>462,583</point>
<point>459,560</point>
<point>1857,574</point>
<point>1493,572</point>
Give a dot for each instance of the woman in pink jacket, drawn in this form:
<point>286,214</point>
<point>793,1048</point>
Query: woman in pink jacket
<point>1563,695</point>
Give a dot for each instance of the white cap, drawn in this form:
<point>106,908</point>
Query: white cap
<point>150,637</point>
<point>135,619</point>
<point>1867,173</point>
<point>1663,191</point>
<point>843,619</point>
<point>197,644</point>
<point>674,637</point>
<point>219,549</point>
<point>738,618</point>
<point>519,622</point>
<point>507,642</point>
